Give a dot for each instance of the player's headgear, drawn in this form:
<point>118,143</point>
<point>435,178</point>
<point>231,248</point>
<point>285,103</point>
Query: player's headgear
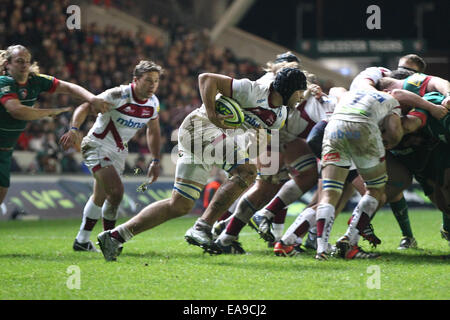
<point>287,81</point>
<point>287,57</point>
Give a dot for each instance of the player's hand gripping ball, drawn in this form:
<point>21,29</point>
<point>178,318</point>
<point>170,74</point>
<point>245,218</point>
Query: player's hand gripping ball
<point>227,106</point>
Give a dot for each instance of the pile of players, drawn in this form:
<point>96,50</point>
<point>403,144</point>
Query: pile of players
<point>403,111</point>
<point>365,123</point>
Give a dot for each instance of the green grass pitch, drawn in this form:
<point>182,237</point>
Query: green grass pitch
<point>37,262</point>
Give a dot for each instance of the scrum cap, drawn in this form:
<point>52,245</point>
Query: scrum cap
<point>287,57</point>
<point>287,81</point>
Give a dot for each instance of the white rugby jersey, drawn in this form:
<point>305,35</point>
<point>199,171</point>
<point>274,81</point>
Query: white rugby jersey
<point>305,116</point>
<point>372,73</point>
<point>365,106</point>
<point>127,115</point>
<point>253,97</point>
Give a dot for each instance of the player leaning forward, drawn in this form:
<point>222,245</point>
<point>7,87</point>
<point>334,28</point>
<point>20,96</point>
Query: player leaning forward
<point>264,108</point>
<point>353,134</point>
<point>105,148</point>
<point>20,87</point>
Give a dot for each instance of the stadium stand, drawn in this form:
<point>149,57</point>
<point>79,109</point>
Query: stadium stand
<point>101,56</point>
<point>98,58</point>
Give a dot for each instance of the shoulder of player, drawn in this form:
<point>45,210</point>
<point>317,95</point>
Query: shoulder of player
<point>40,76</point>
<point>417,77</point>
<point>117,93</point>
<point>245,83</point>
<point>6,80</point>
<point>154,99</point>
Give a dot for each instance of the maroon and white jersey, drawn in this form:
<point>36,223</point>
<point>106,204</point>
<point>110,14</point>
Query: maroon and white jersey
<point>372,73</point>
<point>254,99</point>
<point>304,117</point>
<point>128,114</point>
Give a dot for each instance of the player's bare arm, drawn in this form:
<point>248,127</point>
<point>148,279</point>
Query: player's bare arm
<point>97,104</point>
<point>72,138</point>
<point>411,123</point>
<point>154,145</point>
<point>393,130</point>
<point>442,86</point>
<point>21,112</point>
<point>412,100</point>
<point>209,85</point>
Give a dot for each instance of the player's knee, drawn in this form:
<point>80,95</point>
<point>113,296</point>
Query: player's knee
<point>115,195</point>
<point>307,179</point>
<point>180,206</point>
<point>390,197</point>
<point>377,193</point>
<point>245,173</point>
<point>98,200</point>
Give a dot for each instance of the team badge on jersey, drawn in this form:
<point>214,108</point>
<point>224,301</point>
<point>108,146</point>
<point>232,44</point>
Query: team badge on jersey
<point>335,156</point>
<point>23,94</point>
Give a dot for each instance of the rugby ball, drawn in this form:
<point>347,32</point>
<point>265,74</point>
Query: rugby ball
<point>226,106</point>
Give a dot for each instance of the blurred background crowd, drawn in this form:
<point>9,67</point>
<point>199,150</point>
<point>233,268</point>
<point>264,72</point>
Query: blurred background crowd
<point>100,58</point>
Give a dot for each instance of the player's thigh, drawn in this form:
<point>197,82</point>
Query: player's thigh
<point>347,193</point>
<point>261,192</point>
<point>375,178</point>
<point>365,146</point>
<point>335,149</point>
<point>99,194</point>
<point>333,179</point>
<point>180,202</point>
<point>270,163</point>
<point>190,178</point>
<point>109,180</point>
<point>294,149</point>
<point>244,173</point>
<point>399,178</point>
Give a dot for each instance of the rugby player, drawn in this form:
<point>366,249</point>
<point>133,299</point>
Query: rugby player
<point>20,86</point>
<point>299,165</point>
<point>424,151</point>
<point>263,105</point>
<point>105,149</point>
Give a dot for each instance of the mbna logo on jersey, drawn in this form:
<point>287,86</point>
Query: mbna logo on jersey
<point>23,93</point>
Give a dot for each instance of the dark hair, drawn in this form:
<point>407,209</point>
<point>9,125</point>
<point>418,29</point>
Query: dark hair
<point>401,73</point>
<point>287,57</point>
<point>415,59</point>
<point>384,83</point>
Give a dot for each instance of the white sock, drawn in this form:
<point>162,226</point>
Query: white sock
<point>225,238</point>
<point>278,229</point>
<point>124,232</point>
<point>264,212</point>
<point>289,192</point>
<point>3,208</point>
<point>367,205</point>
<point>110,212</point>
<point>244,210</point>
<point>90,211</point>
<point>309,214</point>
<point>324,212</point>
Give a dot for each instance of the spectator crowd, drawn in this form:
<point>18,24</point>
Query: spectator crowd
<point>100,58</point>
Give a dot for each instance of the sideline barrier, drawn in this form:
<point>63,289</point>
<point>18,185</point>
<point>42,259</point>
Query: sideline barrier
<point>64,197</point>
<point>61,197</point>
